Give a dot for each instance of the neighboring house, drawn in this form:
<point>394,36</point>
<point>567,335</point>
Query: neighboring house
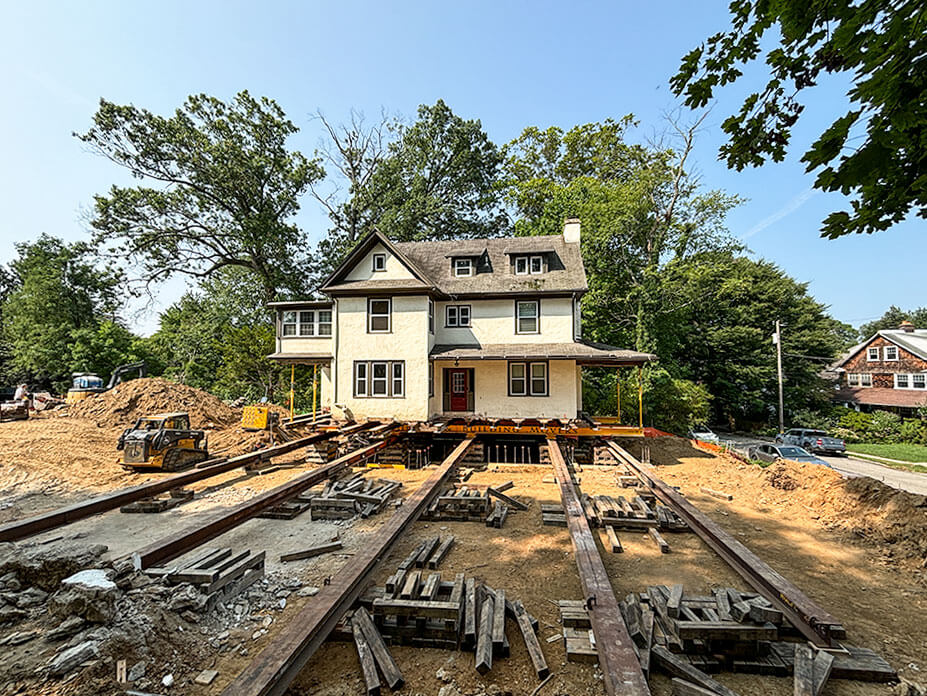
<point>424,330</point>
<point>888,371</point>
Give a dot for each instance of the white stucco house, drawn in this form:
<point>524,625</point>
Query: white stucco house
<point>481,328</point>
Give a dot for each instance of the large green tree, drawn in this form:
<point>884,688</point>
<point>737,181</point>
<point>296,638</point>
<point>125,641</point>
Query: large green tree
<point>220,189</point>
<point>875,151</point>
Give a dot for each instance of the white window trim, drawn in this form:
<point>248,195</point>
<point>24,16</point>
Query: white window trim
<point>519,260</point>
<point>453,316</point>
<point>536,317</point>
<point>395,385</point>
<point>858,379</point>
<point>910,380</point>
<point>431,316</point>
<point>870,351</point>
<point>388,314</point>
<point>528,379</point>
<point>921,375</point>
<point>463,264</point>
<point>358,379</point>
<point>885,353</point>
<point>540,260</point>
<point>313,325</point>
<point>378,267</point>
<point>865,377</point>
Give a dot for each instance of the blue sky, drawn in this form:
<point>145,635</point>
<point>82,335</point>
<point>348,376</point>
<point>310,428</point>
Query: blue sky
<point>510,64</point>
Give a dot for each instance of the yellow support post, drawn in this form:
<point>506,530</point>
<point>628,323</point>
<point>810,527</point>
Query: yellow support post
<point>618,394</point>
<point>315,381</point>
<point>292,388</point>
<point>640,397</point>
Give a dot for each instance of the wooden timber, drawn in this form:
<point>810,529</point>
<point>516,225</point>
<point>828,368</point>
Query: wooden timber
<point>531,641</point>
<point>381,653</point>
<point>274,669</point>
<point>368,665</point>
<point>677,667</point>
<point>484,635</point>
<point>621,669</point>
<point>310,552</point>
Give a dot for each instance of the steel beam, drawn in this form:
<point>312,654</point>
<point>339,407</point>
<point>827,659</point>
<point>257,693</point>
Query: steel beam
<point>20,529</point>
<point>271,673</point>
<point>177,544</point>
<point>621,669</point>
<point>814,622</point>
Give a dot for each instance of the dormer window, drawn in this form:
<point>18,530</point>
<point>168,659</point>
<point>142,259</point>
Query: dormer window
<point>379,262</point>
<point>529,265</point>
<point>463,267</point>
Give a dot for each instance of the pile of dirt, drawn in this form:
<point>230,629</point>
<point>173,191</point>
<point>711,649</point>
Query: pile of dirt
<point>126,402</point>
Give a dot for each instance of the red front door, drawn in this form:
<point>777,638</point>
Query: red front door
<point>460,387</point>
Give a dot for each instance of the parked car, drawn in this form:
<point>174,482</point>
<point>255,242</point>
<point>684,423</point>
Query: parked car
<point>812,440</point>
<point>772,453</point>
<point>703,433</point>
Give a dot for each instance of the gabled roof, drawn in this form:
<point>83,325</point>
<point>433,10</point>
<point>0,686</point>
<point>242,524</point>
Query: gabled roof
<point>915,342</point>
<point>361,248</point>
<point>564,275</point>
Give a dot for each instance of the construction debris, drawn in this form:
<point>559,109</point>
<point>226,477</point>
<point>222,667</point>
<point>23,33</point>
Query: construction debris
<point>216,574</point>
<point>464,503</point>
<point>339,500</point>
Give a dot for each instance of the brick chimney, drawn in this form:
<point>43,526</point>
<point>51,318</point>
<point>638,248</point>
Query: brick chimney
<point>906,326</point>
<point>571,232</point>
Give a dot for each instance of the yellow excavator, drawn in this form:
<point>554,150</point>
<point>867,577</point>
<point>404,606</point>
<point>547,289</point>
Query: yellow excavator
<point>164,442</point>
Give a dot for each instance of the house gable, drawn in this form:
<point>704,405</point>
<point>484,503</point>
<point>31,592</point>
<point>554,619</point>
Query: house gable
<point>356,272</point>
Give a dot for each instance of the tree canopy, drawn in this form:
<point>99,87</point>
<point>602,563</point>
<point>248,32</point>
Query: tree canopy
<point>875,150</point>
<point>223,189</point>
<point>892,320</point>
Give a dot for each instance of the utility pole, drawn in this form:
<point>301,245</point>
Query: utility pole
<point>777,339</point>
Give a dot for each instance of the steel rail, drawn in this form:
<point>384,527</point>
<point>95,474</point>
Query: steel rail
<point>178,543</point>
<point>814,622</point>
<point>275,668</point>
<point>20,529</point>
<point>621,669</point>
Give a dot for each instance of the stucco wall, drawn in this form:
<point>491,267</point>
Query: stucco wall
<point>305,344</point>
<point>405,342</point>
<point>493,321</point>
<point>491,399</point>
<point>363,269</point>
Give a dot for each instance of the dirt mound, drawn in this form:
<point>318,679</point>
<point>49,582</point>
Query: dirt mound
<point>148,396</point>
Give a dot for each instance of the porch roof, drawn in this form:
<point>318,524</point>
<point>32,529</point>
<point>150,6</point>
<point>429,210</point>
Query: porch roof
<point>301,358</point>
<point>583,352</point>
<point>881,396</point>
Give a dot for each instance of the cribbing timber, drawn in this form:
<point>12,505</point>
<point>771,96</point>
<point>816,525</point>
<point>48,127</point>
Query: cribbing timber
<point>814,622</point>
<point>271,673</point>
<point>20,529</point>
<point>621,669</point>
<point>177,544</point>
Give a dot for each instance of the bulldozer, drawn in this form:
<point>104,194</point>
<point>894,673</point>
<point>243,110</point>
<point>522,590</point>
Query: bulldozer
<point>164,441</point>
<point>88,383</point>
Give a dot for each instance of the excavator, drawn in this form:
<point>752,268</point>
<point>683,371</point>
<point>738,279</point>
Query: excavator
<point>88,383</point>
<point>164,442</point>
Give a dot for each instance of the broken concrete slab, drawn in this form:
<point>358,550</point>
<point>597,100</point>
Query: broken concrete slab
<point>70,658</point>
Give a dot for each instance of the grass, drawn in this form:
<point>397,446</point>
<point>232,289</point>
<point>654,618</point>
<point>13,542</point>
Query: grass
<point>903,452</point>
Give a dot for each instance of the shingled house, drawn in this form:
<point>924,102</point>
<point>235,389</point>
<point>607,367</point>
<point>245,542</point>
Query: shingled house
<point>424,330</point>
<point>887,371</point>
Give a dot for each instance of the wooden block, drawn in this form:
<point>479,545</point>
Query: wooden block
<point>431,586</point>
<point>496,493</point>
<point>804,671</point>
<point>418,608</point>
<point>675,599</point>
<point>381,654</point>
<point>717,494</point>
<point>553,520</point>
<point>410,588</point>
<point>579,647</point>
<point>765,615</point>
<point>310,552</point>
<point>614,542</point>
<point>471,607</point>
<point>821,670</point>
<point>676,667</point>
<point>206,677</point>
<point>523,620</point>
<point>644,508</point>
<point>725,630</point>
<point>365,655</point>
<point>440,552</point>
<point>498,621</point>
<point>235,572</point>
<point>504,486</point>
<point>658,538</point>
<point>484,636</point>
<point>685,688</point>
<point>427,550</point>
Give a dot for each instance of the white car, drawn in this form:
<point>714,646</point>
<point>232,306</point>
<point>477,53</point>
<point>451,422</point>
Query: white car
<point>704,434</point>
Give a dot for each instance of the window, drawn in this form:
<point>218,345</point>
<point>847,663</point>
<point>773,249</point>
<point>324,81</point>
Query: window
<point>856,379</point>
<point>909,381</point>
<point>873,354</point>
<point>521,265</point>
<point>901,382</point>
<point>891,352</point>
<point>865,380</point>
<point>525,265</point>
<point>463,267</point>
<point>919,381</point>
<point>527,379</point>
<point>527,320</point>
<point>431,316</point>
<point>431,379</point>
<point>308,323</point>
<point>457,315</point>
<point>379,262</point>
<point>379,316</point>
<point>374,378</point>
<point>536,264</point>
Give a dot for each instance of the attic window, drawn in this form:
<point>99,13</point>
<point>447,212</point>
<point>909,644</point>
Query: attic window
<point>529,265</point>
<point>873,354</point>
<point>463,267</point>
<point>379,262</point>
<point>891,353</point>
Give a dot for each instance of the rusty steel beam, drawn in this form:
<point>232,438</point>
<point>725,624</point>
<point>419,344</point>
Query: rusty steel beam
<point>179,543</point>
<point>621,669</point>
<point>271,673</point>
<point>814,622</point>
<point>20,529</point>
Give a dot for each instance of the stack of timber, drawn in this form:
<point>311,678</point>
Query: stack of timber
<point>417,607</point>
<point>690,636</point>
<point>577,631</point>
<point>174,497</point>
<point>642,513</point>
<point>339,500</point>
<point>465,503</point>
<point>220,574</point>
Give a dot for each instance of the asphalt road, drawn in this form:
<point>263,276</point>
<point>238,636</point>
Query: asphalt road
<point>851,466</point>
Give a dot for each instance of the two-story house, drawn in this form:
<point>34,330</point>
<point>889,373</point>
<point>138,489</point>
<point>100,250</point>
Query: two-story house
<point>418,331</point>
<point>887,371</point>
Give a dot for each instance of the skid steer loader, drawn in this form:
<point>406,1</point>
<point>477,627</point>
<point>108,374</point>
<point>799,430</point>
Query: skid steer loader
<point>164,441</point>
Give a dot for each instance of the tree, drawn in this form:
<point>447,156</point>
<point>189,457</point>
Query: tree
<point>60,297</point>
<point>892,319</point>
<point>224,188</point>
<point>882,45</point>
